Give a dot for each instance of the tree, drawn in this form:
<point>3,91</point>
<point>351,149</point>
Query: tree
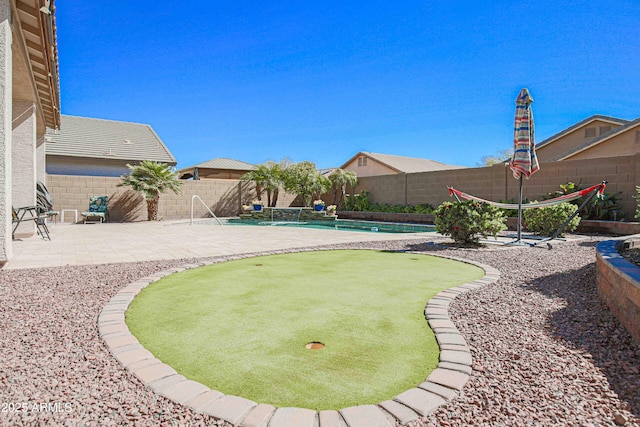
<point>259,176</point>
<point>304,180</point>
<point>268,177</point>
<point>500,157</point>
<point>151,179</point>
<point>340,178</point>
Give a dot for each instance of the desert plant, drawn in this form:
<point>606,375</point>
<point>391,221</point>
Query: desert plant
<point>602,206</point>
<point>340,179</point>
<point>267,177</point>
<point>151,179</point>
<point>637,197</point>
<point>304,180</point>
<point>358,202</point>
<point>545,221</point>
<point>466,221</point>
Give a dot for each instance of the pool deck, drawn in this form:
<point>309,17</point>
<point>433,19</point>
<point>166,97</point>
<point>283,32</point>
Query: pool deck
<point>81,244</point>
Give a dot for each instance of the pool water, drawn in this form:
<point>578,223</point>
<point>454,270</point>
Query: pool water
<point>340,224</point>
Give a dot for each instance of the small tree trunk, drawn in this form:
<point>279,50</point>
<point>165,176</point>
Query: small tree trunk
<point>152,209</point>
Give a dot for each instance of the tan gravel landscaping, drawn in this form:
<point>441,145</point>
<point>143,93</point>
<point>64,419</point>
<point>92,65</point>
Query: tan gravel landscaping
<point>545,350</point>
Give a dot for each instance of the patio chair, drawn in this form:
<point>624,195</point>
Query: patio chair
<point>98,210</point>
<point>29,213</point>
<point>44,203</point>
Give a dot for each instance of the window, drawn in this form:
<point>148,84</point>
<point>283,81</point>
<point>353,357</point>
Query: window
<point>362,161</point>
<point>604,129</point>
<point>589,132</point>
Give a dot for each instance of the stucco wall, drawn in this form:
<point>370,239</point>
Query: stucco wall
<point>23,158</point>
<point>497,183</point>
<point>623,144</point>
<point>223,197</point>
<point>572,140</point>
<point>61,165</point>
<point>5,131</point>
<point>372,167</point>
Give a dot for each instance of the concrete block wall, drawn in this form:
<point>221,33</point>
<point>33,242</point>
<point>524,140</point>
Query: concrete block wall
<point>223,197</point>
<point>497,183</point>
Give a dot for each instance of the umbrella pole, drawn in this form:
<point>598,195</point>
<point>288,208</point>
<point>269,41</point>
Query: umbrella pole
<point>520,212</point>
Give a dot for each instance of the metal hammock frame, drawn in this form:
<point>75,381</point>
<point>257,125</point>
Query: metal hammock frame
<point>592,192</point>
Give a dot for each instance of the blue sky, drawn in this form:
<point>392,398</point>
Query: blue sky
<point>322,80</point>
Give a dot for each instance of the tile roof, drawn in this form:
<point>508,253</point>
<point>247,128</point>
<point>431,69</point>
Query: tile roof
<point>106,139</point>
<point>222,163</point>
<point>406,164</point>
<point>613,120</point>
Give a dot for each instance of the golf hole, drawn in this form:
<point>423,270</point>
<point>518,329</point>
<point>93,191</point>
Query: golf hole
<point>314,345</point>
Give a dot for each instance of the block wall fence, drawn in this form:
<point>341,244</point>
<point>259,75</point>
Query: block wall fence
<point>225,197</point>
<point>497,182</point>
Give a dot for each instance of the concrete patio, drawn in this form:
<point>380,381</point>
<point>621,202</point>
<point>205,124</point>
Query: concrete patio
<point>81,244</point>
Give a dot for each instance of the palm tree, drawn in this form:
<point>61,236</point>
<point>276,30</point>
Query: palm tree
<point>151,179</point>
<point>340,179</point>
<point>259,176</point>
<point>268,178</point>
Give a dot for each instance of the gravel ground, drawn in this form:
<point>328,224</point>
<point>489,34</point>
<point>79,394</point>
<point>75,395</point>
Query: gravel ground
<point>545,350</point>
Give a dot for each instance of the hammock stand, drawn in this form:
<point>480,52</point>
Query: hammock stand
<point>591,191</point>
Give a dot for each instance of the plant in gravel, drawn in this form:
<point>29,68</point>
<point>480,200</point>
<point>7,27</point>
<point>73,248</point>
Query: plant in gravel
<point>545,221</point>
<point>637,197</point>
<point>602,207</point>
<point>466,221</point>
<point>151,179</point>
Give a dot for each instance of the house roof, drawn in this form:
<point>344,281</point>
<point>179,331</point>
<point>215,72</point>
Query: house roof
<point>222,163</point>
<point>106,139</point>
<point>403,163</point>
<point>609,119</point>
<point>36,34</point>
<point>600,139</point>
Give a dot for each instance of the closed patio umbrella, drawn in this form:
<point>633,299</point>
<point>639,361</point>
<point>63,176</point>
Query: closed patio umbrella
<point>524,161</point>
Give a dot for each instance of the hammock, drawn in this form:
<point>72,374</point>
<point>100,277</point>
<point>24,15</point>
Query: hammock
<point>564,198</point>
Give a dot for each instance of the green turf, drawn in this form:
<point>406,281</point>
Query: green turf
<point>240,327</point>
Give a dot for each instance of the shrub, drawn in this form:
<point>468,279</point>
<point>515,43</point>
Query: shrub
<point>637,197</point>
<point>601,207</point>
<point>466,221</point>
<point>358,202</point>
<point>546,221</point>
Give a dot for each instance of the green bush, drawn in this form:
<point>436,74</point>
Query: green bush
<point>545,221</point>
<point>358,202</point>
<point>466,221</point>
<point>362,202</point>
<point>601,207</point>
<point>637,197</point>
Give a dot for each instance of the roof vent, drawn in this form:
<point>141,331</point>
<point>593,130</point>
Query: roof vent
<point>110,152</point>
<point>127,141</point>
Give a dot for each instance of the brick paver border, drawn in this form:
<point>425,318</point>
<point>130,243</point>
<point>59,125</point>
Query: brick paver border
<point>441,386</point>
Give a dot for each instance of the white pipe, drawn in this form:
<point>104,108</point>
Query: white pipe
<point>205,205</point>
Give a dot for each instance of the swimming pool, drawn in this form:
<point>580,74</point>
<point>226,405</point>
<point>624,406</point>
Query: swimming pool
<point>338,224</point>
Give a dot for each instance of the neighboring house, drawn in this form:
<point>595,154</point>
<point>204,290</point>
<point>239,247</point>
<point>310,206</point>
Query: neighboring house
<point>29,103</point>
<point>595,137</point>
<point>371,164</point>
<point>96,147</point>
<point>220,168</point>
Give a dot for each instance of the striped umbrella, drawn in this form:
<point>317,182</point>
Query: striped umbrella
<point>524,161</point>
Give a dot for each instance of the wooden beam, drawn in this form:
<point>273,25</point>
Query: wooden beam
<point>26,8</point>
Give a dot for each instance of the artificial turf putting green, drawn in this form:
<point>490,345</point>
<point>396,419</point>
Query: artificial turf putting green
<point>240,327</point>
